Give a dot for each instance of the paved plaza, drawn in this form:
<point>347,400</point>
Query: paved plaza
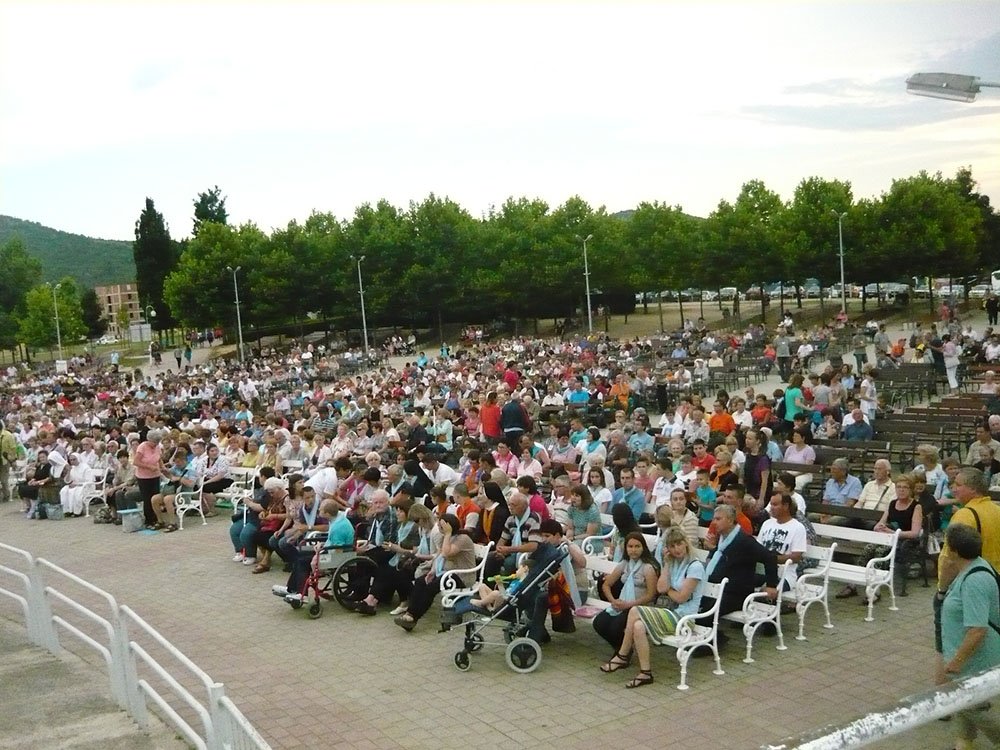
<point>347,681</point>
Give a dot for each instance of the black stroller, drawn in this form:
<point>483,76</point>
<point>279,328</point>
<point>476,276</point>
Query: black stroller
<point>513,613</point>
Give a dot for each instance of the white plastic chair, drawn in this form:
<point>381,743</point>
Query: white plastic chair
<point>190,501</point>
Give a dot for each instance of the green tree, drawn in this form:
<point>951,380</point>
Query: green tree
<point>922,226</point>
<point>91,315</point>
<point>37,327</point>
<point>155,256</point>
<point>200,290</point>
<point>745,233</point>
<point>807,230</point>
<point>209,206</point>
<point>20,273</point>
<point>988,239</point>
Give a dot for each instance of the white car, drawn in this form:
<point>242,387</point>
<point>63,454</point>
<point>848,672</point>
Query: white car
<point>979,291</point>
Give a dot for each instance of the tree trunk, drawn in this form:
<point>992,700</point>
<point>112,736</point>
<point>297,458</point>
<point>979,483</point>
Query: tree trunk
<point>781,298</point>
<point>701,304</point>
<point>659,304</point>
<point>680,304</point>
<point>440,325</point>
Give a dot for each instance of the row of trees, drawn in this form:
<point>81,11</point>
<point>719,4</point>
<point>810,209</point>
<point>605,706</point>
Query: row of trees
<point>435,261</point>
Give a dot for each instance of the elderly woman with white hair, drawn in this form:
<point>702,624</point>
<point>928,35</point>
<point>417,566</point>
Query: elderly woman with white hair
<point>72,496</point>
<point>989,384</point>
<point>148,462</point>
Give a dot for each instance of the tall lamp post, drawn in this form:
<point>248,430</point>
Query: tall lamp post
<point>150,314</point>
<point>586,279</point>
<point>55,306</point>
<point>840,234</point>
<point>364,320</point>
<point>239,320</point>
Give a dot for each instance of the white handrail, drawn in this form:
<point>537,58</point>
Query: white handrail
<point>224,725</point>
<point>909,714</point>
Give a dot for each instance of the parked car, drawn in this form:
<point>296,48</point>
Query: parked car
<point>707,295</point>
<point>728,293</point>
<point>980,291</point>
<point>754,292</point>
<point>107,339</point>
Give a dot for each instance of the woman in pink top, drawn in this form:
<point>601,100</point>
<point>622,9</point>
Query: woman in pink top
<point>506,461</point>
<point>148,466</point>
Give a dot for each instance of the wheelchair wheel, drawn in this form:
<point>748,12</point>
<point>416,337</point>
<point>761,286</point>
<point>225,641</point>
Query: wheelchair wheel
<point>296,604</point>
<point>474,642</point>
<point>462,661</point>
<point>316,610</point>
<point>523,655</point>
<point>346,574</point>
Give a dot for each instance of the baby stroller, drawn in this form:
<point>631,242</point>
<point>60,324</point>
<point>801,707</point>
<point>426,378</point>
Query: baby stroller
<point>513,614</point>
<point>332,573</point>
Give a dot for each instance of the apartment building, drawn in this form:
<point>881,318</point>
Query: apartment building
<point>112,298</point>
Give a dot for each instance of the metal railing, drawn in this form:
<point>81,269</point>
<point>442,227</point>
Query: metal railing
<point>219,724</point>
<point>909,714</point>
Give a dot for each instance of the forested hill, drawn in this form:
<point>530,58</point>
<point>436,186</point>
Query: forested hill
<point>91,261</point>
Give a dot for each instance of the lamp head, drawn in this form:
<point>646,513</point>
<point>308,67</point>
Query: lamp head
<point>958,88</point>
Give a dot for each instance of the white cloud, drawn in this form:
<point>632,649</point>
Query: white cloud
<point>294,106</point>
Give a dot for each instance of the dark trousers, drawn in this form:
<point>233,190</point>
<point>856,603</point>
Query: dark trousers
<point>611,628</point>
<point>784,367</point>
<point>422,596</point>
<point>301,564</point>
<point>391,580</point>
<point>148,488</point>
<point>285,550</point>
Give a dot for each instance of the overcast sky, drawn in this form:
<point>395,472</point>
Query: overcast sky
<point>292,107</point>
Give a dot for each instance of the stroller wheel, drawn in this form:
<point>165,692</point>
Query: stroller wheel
<point>316,610</point>
<point>348,573</point>
<point>524,655</point>
<point>474,642</point>
<point>462,661</point>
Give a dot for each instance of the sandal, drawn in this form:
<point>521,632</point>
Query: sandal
<point>645,677</point>
<point>864,602</point>
<point>260,568</point>
<point>170,527</point>
<point>616,662</point>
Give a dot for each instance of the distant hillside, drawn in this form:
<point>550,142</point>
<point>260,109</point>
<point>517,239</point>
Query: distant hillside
<point>91,261</point>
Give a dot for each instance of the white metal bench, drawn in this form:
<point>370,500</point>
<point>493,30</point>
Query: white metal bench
<point>758,610</point>
<point>694,631</point>
<point>813,586</point>
<point>452,587</point>
<point>870,576</point>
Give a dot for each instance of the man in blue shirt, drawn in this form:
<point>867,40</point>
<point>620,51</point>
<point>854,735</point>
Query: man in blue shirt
<point>577,395</point>
<point>629,494</point>
<point>640,440</point>
<point>841,488</point>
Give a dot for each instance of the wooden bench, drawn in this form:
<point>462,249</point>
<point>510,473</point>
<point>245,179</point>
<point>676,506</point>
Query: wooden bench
<point>870,575</point>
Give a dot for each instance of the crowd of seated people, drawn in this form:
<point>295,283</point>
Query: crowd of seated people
<point>480,445</point>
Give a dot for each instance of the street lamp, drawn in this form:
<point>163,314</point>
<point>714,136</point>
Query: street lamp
<point>586,278</point>
<point>239,320</point>
<point>55,305</point>
<point>364,321</point>
<point>952,86</point>
<point>150,314</point>
<point>840,234</point>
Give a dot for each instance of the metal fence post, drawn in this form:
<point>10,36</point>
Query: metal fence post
<point>222,738</point>
<point>41,627</point>
<point>123,657</point>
